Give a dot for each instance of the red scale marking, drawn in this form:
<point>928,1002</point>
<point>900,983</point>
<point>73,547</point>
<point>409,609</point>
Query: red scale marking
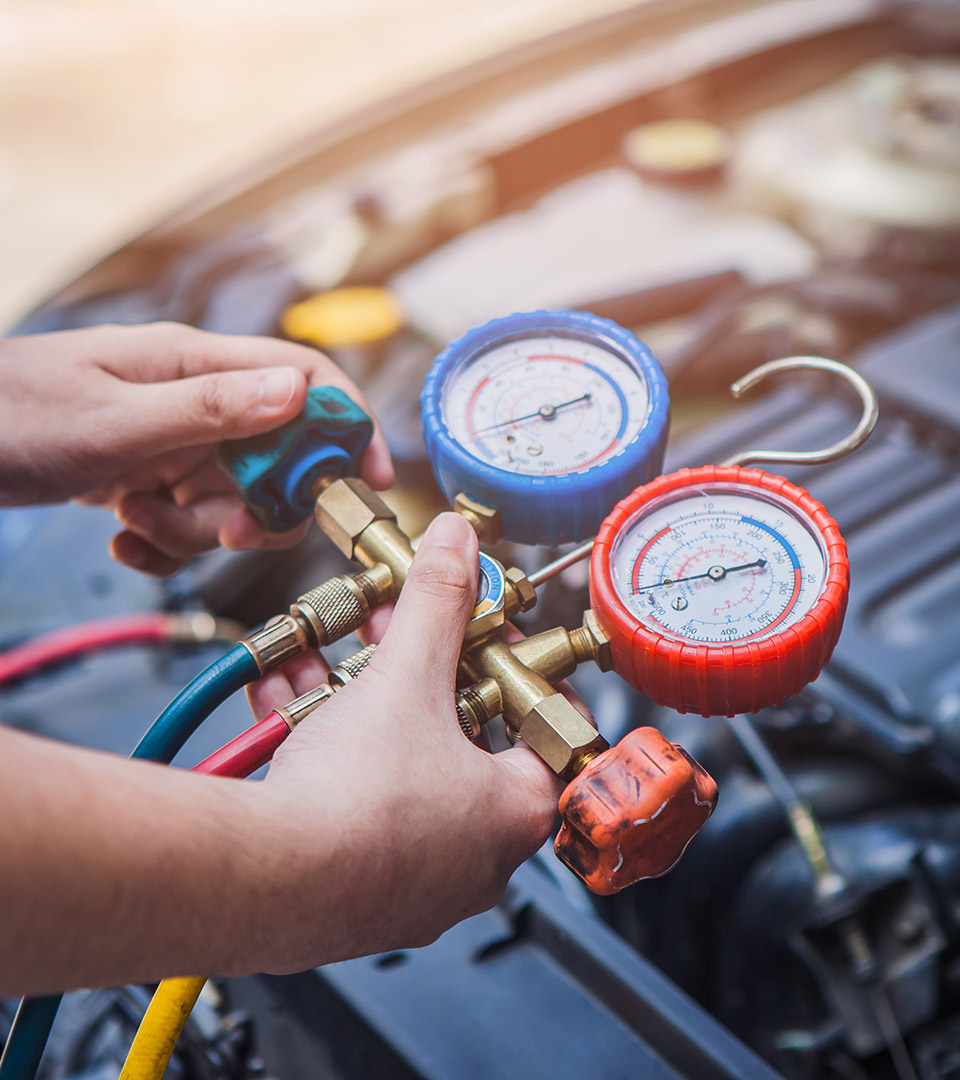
<point>649,544</point>
<point>783,614</point>
<point>791,603</point>
<point>542,356</point>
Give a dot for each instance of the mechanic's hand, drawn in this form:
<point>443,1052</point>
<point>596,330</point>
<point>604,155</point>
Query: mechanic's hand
<point>425,827</point>
<point>131,417</point>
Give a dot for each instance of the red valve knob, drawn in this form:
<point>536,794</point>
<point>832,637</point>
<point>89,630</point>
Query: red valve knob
<point>632,811</point>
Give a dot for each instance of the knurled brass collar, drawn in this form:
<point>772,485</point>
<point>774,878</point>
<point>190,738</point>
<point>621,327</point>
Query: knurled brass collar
<point>349,669</point>
<point>333,610</point>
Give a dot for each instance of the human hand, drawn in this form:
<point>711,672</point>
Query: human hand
<point>383,825</point>
<point>130,418</point>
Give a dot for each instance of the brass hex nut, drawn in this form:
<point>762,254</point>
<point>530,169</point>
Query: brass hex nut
<point>345,508</point>
<point>525,593</point>
<point>603,654</point>
<point>559,734</point>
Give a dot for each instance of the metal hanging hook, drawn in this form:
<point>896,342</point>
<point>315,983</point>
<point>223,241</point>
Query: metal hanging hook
<point>868,420</point>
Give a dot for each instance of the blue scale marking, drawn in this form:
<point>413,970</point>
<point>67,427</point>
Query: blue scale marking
<point>620,397</point>
<point>773,532</point>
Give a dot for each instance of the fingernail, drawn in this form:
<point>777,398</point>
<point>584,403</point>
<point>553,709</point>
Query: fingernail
<point>448,530</point>
<point>277,388</point>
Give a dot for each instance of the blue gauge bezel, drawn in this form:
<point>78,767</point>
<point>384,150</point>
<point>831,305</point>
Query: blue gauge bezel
<point>596,488</point>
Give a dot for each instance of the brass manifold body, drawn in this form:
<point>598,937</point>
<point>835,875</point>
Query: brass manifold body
<point>516,679</point>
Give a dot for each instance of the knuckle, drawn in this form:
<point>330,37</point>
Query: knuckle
<point>167,330</point>
<point>211,402</point>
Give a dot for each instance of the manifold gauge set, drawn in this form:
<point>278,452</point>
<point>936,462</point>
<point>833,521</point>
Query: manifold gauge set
<point>717,590</point>
<point>721,589</point>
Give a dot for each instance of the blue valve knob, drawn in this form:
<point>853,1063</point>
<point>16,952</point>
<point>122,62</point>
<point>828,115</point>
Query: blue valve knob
<point>275,472</point>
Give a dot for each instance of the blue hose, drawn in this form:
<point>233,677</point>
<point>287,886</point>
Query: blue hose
<point>181,718</point>
<point>178,721</point>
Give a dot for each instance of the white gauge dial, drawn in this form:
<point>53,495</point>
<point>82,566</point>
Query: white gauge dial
<point>718,564</point>
<point>545,405</point>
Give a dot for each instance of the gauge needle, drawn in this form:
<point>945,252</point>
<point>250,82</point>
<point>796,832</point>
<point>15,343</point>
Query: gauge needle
<point>715,573</point>
<point>545,412</point>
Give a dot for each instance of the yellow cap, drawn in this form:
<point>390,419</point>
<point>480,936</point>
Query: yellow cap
<point>351,316</point>
<point>677,147</point>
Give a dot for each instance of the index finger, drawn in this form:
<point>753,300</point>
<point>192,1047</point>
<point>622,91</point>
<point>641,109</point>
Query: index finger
<point>164,352</point>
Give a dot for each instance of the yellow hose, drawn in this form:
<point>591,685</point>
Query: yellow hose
<point>160,1028</point>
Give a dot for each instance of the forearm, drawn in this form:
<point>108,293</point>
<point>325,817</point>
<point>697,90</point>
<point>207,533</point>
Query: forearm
<point>118,871</point>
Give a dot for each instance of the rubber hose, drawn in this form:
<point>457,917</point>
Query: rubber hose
<point>181,718</point>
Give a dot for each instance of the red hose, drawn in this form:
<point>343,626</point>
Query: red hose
<point>249,750</point>
<point>87,637</point>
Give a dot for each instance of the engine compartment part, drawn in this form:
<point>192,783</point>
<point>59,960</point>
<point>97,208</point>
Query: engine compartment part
<point>506,190</point>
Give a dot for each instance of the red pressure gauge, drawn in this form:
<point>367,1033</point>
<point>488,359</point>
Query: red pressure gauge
<point>722,589</point>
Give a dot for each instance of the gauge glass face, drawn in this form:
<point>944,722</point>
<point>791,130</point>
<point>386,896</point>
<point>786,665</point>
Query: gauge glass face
<point>722,564</point>
<point>545,405</point>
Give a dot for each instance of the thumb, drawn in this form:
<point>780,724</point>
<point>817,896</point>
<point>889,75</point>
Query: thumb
<point>426,630</point>
<point>213,407</point>
<point>529,813</point>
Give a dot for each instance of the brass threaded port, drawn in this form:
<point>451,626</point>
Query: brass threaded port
<point>581,641</point>
<point>582,760</point>
<point>467,724</point>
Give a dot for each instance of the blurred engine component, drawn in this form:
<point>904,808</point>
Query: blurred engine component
<point>678,151</point>
<point>869,167</point>
<point>601,235</point>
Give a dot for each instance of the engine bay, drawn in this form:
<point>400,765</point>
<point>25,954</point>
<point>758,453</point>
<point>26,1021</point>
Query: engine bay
<point>811,206</point>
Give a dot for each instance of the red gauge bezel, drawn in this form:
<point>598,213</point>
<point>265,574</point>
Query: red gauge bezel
<point>719,679</point>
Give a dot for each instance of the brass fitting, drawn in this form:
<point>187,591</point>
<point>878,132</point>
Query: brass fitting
<point>338,606</point>
<point>364,528</point>
<point>542,716</point>
<point>350,668</point>
<point>344,508</point>
<point>302,706</point>
<point>561,736</point>
<point>321,616</point>
<point>591,642</point>
<point>278,642</point>
<point>523,595</point>
<point>484,519</point>
<point>557,653</point>
<point>476,705</point>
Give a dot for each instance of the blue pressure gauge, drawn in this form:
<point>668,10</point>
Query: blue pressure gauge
<point>551,417</point>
